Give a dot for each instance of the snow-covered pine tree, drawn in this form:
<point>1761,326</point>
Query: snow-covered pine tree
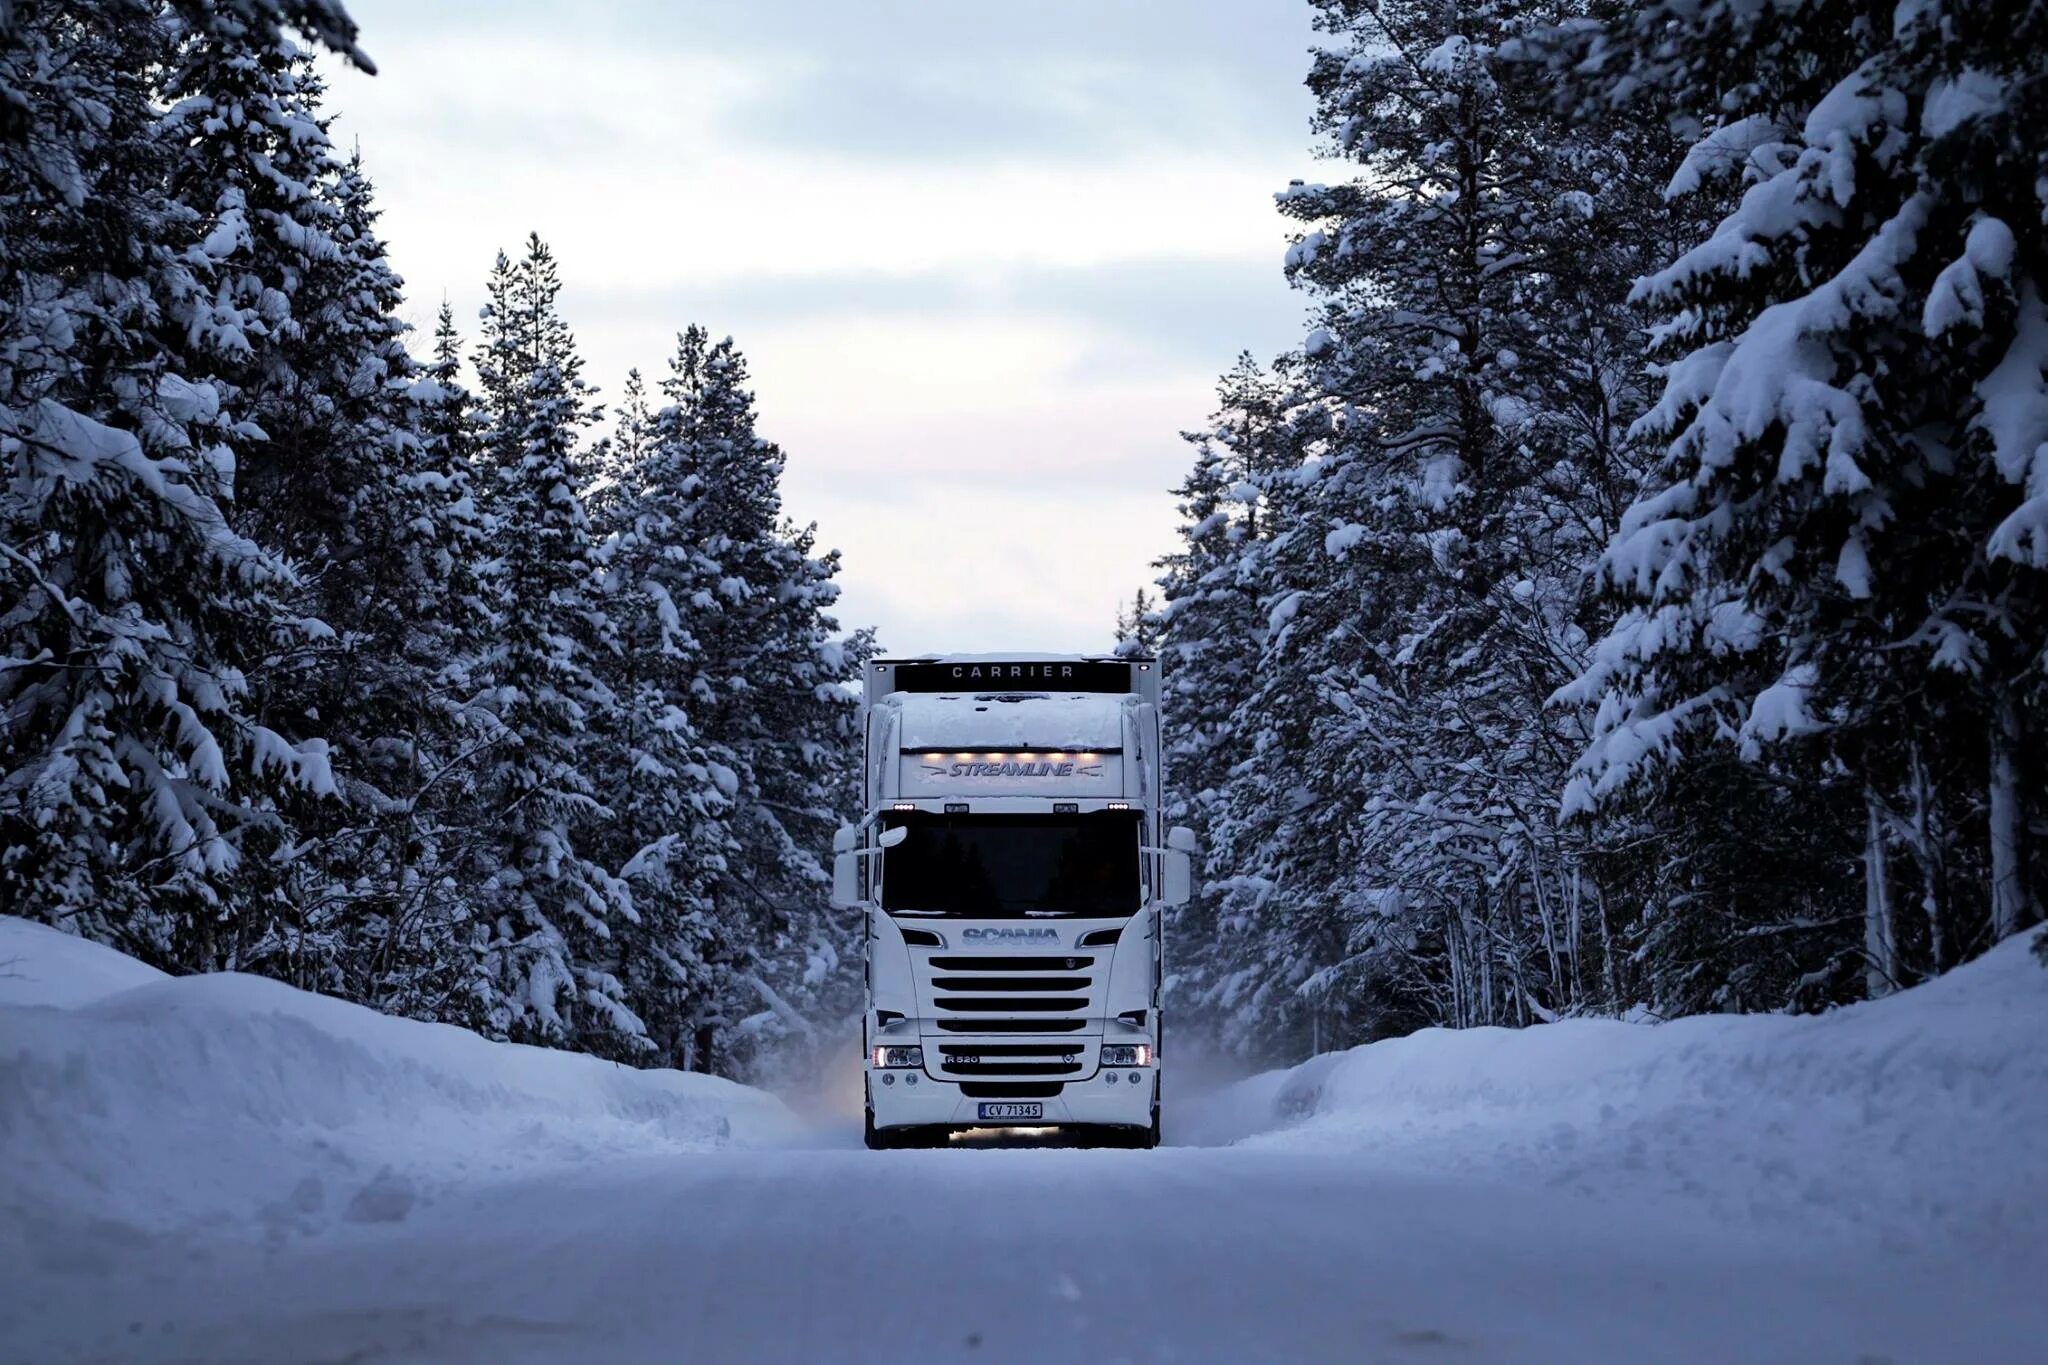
<point>329,476</point>
<point>326,22</point>
<point>414,784</point>
<point>613,458</point>
<point>1211,632</point>
<point>768,693</point>
<point>546,943</point>
<point>1838,561</point>
<point>400,592</point>
<point>134,772</point>
<point>669,833</point>
<point>1472,374</point>
<point>1137,626</point>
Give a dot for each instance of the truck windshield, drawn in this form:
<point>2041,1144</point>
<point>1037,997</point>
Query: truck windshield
<point>987,866</point>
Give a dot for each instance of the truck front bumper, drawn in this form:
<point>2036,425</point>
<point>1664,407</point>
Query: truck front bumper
<point>1115,1102</point>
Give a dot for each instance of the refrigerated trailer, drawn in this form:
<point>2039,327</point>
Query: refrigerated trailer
<point>1011,867</point>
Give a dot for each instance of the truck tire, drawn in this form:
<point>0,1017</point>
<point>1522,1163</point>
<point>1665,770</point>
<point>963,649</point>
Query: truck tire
<point>899,1139</point>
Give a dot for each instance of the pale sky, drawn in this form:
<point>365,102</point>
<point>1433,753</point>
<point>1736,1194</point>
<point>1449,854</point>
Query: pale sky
<point>985,260</point>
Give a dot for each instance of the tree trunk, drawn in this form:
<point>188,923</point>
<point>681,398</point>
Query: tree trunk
<point>1560,991</point>
<point>2012,902</point>
<point>702,1051</point>
<point>1933,860</point>
<point>1880,943</point>
<point>1610,970</point>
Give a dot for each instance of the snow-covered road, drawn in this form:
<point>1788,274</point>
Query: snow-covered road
<point>977,1255</point>
<point>220,1169</point>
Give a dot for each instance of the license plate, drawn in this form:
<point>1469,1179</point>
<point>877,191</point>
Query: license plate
<point>1013,1111</point>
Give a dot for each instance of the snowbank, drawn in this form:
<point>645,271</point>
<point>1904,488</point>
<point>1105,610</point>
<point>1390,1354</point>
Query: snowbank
<point>40,966</point>
<point>1910,1119</point>
<point>133,1105</point>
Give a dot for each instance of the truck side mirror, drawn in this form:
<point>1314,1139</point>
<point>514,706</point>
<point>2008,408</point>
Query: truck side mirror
<point>846,868</point>
<point>846,858</point>
<point>1178,882</point>
<point>1177,867</point>
<point>846,880</point>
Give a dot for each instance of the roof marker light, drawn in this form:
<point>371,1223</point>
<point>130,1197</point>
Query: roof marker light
<point>1117,805</point>
<point>906,805</point>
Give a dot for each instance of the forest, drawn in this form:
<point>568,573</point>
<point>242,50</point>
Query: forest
<point>1628,598</point>
<point>375,663</point>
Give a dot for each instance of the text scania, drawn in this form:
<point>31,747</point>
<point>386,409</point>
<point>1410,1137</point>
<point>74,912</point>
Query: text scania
<point>1010,936</point>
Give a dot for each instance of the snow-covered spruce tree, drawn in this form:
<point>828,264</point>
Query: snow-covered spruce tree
<point>399,588</point>
<point>1283,870</point>
<point>330,476</point>
<point>614,458</point>
<point>546,941</point>
<point>410,783</point>
<point>1474,368</point>
<point>1839,560</point>
<point>134,775</point>
<point>767,691</point>
<point>1211,632</point>
<point>1138,626</point>
<point>1384,579</point>
<point>326,22</point>
<point>669,830</point>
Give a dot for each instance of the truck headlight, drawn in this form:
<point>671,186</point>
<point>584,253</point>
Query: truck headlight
<point>1126,1054</point>
<point>899,1056</point>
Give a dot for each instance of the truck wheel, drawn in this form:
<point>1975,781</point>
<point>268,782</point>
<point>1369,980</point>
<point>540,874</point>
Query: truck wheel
<point>1145,1139</point>
<point>877,1139</point>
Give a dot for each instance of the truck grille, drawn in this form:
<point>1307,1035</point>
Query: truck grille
<point>1011,1025</point>
<point>1010,983</point>
<point>1013,993</point>
<point>1013,1004</point>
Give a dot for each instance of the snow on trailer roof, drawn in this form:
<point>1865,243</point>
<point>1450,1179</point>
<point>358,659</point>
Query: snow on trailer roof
<point>1010,720</point>
<point>1013,656</point>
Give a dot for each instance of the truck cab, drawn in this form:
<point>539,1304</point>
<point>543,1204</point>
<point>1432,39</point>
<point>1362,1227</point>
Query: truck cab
<point>1011,869</point>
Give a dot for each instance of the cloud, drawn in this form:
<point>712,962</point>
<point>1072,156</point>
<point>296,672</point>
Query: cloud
<point>1141,315</point>
<point>1033,570</point>
<point>985,260</point>
<point>997,107</point>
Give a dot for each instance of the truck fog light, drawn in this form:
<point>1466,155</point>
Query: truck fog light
<point>888,1078</point>
<point>1109,1076</point>
<point>1132,1078</point>
<point>1127,1054</point>
<point>911,1079</point>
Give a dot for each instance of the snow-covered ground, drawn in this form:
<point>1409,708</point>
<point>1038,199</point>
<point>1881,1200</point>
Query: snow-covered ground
<point>223,1169</point>
<point>1913,1121</point>
<point>136,1106</point>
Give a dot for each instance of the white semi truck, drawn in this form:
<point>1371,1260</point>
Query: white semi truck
<point>1011,868</point>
